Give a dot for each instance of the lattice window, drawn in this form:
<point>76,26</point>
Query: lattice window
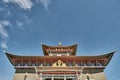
<point>25,64</point>
<point>100,64</point>
<point>33,64</point>
<point>92,64</point>
<point>84,64</point>
<point>19,64</point>
<point>47,64</point>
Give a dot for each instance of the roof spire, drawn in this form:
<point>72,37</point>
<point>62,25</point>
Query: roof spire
<point>59,44</point>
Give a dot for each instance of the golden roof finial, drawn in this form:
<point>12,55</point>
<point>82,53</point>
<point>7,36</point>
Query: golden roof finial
<point>59,44</point>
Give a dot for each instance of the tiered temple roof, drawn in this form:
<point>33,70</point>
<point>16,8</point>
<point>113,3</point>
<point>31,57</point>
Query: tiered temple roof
<point>59,49</point>
<point>105,58</point>
<point>59,62</point>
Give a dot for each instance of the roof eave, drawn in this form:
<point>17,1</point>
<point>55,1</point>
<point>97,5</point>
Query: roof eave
<point>110,55</point>
<point>9,57</point>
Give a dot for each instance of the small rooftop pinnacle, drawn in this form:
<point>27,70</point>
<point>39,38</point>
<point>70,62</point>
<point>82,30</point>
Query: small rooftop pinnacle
<point>59,44</point>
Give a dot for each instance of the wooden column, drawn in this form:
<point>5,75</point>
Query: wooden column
<point>96,63</point>
<point>40,76</point>
<point>64,77</point>
<point>22,62</point>
<point>52,77</point>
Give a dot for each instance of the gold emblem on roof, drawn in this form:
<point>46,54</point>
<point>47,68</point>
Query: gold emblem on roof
<point>59,63</point>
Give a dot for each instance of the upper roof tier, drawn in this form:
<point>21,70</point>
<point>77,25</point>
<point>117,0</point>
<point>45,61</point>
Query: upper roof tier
<point>59,50</point>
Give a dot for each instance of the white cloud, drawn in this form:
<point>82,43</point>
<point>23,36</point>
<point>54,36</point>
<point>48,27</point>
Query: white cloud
<point>6,1</point>
<point>3,33</point>
<point>25,4</point>
<point>46,3</point>
<point>4,45</point>
<point>5,23</point>
<point>19,24</point>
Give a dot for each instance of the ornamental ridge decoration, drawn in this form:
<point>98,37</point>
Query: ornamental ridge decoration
<point>59,63</point>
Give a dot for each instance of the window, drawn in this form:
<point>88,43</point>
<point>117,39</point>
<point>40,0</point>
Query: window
<point>25,64</point>
<point>70,64</point>
<point>92,64</point>
<point>100,64</point>
<point>19,64</point>
<point>33,64</point>
<point>77,64</point>
<point>48,64</point>
<point>85,64</point>
<point>39,64</point>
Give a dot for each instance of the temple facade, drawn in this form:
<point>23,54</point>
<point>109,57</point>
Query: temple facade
<point>59,63</point>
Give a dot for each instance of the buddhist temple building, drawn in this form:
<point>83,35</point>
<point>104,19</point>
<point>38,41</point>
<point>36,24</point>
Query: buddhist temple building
<point>59,63</point>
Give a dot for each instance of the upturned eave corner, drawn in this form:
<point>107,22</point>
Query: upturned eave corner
<point>10,57</point>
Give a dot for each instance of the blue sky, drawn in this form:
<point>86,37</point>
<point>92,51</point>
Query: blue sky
<point>93,24</point>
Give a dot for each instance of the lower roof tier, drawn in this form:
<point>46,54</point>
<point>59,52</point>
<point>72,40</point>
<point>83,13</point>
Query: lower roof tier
<point>57,60</point>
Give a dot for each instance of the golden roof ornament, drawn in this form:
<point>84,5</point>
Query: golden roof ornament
<point>59,44</point>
